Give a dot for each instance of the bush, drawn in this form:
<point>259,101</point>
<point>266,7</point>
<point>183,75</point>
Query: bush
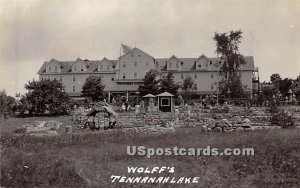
<point>177,102</point>
<point>283,119</point>
<point>220,109</point>
<point>273,106</point>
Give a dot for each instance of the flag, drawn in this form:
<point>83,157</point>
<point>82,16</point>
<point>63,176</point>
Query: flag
<point>126,48</point>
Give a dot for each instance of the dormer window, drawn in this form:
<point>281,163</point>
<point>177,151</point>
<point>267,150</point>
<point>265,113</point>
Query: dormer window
<point>55,68</point>
<point>132,55</point>
<point>108,67</point>
<point>170,65</point>
<point>177,65</point>
<point>139,55</point>
<point>124,64</point>
<point>124,75</point>
<point>49,68</point>
<point>101,67</point>
<point>75,68</point>
<point>199,65</point>
<point>206,64</point>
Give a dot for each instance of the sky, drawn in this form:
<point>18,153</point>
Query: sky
<point>34,31</point>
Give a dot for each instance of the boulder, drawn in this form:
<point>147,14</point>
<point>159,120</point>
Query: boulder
<point>246,120</point>
<point>246,125</point>
<point>217,129</point>
<point>239,129</point>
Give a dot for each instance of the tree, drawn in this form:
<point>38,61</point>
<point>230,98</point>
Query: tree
<point>6,104</point>
<point>168,85</point>
<point>285,85</point>
<point>275,78</point>
<point>93,88</point>
<point>188,87</point>
<point>188,83</point>
<point>46,95</point>
<point>228,47</point>
<point>151,83</point>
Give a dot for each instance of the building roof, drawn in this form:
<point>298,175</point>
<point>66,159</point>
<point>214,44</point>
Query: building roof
<point>165,94</point>
<point>121,88</point>
<point>149,96</point>
<point>189,64</point>
<point>66,66</point>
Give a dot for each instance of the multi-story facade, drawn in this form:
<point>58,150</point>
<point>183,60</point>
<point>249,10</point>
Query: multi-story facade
<point>125,75</point>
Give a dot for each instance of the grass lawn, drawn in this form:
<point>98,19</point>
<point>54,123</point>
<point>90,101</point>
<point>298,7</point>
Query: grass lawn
<point>89,159</point>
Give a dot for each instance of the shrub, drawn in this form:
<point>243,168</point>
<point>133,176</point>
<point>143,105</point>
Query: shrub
<point>283,119</point>
<point>273,106</point>
<point>220,109</point>
<point>177,102</point>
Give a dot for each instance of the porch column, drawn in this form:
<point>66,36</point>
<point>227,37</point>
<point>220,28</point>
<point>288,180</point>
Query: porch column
<point>126,95</point>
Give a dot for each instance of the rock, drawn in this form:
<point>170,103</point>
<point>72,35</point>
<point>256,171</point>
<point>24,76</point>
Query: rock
<point>217,129</point>
<point>239,129</point>
<point>248,129</point>
<point>68,129</point>
<point>246,120</point>
<point>246,125</point>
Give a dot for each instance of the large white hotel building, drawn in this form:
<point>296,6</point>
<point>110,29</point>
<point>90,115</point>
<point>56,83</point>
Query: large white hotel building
<point>123,76</point>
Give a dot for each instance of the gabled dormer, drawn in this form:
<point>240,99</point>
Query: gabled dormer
<point>173,63</point>
<point>53,66</point>
<point>203,63</point>
<point>105,65</point>
<point>79,66</point>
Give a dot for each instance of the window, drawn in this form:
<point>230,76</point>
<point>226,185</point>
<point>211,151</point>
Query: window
<point>74,79</point>
<point>206,64</point>
<point>210,62</point>
<point>132,55</point>
<point>212,87</point>
<point>170,65</point>
<point>49,68</point>
<point>177,65</point>
<point>135,63</point>
<point>82,69</point>
<point>199,65</point>
<point>135,75</point>
<point>112,78</point>
<point>195,75</point>
<point>60,78</point>
<point>195,86</point>
<point>211,75</point>
<point>139,55</point>
<point>181,75</point>
<point>101,67</point>
<point>73,88</point>
<point>124,64</point>
<point>108,67</point>
<point>75,68</point>
<point>124,75</point>
<point>165,102</point>
<point>55,68</point>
